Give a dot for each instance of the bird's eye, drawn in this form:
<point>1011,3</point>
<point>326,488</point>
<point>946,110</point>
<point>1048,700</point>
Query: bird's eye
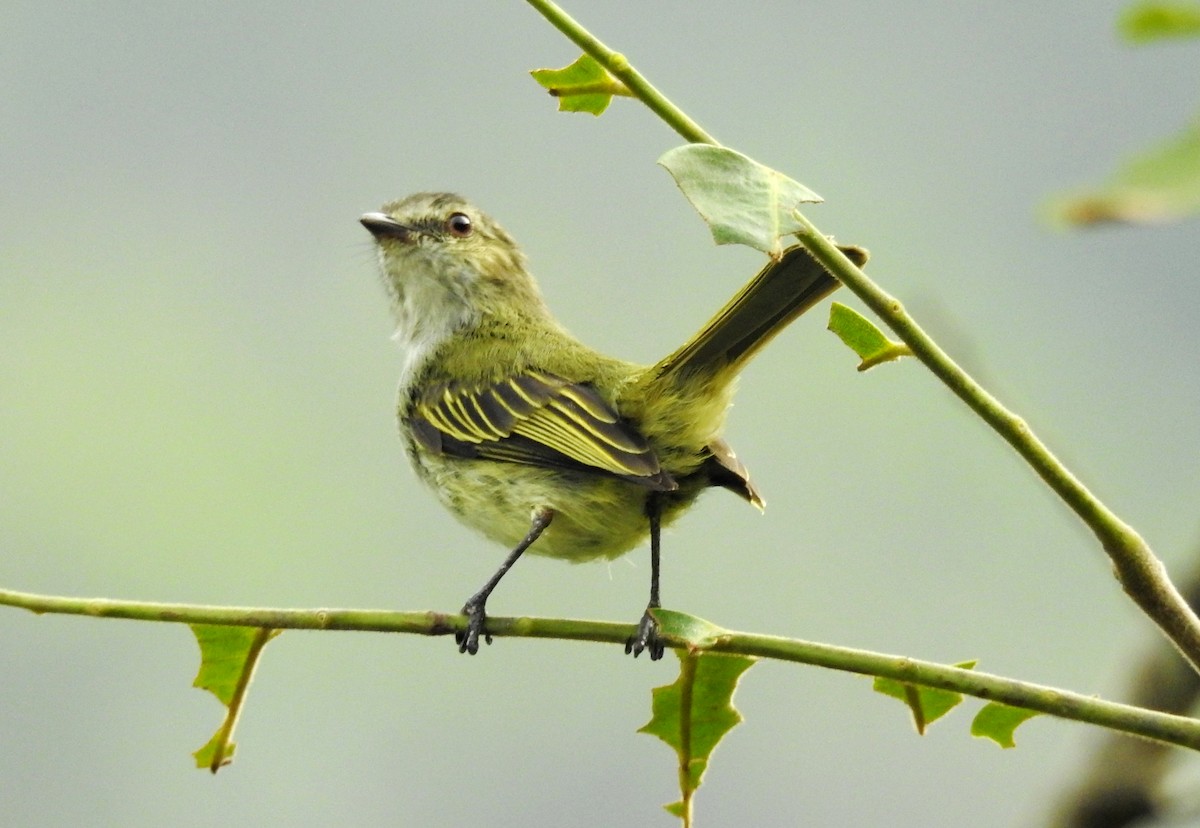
<point>459,224</point>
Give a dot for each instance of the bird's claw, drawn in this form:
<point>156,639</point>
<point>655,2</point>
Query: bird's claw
<point>468,639</point>
<point>646,638</point>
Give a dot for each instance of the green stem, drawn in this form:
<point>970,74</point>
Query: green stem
<point>1162,727</point>
<point>604,87</point>
<point>617,65</point>
<point>1140,573</point>
<point>223,749</point>
<point>687,715</point>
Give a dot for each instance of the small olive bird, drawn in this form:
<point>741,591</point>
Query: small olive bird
<point>535,439</point>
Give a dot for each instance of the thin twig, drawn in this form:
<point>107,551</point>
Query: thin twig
<point>1175,730</point>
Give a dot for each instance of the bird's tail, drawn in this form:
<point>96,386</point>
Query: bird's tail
<point>766,305</point>
<point>681,401</point>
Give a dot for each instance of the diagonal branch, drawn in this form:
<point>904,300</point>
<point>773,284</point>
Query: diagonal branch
<point>1140,573</point>
<point>619,67</point>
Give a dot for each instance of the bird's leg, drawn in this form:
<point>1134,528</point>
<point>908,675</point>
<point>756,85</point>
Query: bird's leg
<point>646,637</point>
<point>468,639</point>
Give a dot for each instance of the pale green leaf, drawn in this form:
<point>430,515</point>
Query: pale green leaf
<point>584,86</point>
<point>742,201</point>
<point>687,629</point>
<point>861,336</point>
<point>228,656</point>
<point>1162,184</point>
<point>997,722</point>
<point>694,713</point>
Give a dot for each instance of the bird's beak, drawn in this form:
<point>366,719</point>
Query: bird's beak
<point>383,226</point>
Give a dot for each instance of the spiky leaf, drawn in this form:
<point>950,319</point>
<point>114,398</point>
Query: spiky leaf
<point>694,713</point>
<point>927,704</point>
<point>584,86</point>
<point>228,656</point>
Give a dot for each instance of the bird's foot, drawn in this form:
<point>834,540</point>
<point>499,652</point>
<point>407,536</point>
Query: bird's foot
<point>468,639</point>
<point>646,638</point>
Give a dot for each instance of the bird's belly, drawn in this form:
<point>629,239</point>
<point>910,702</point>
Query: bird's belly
<point>595,516</point>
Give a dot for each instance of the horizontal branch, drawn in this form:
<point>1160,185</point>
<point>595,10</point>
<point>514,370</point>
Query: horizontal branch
<point>1162,727</point>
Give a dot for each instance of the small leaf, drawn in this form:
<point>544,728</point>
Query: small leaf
<point>997,722</point>
<point>694,713</point>
<point>927,704</point>
<point>228,656</point>
<point>742,201</point>
<point>1162,184</point>
<point>695,632</point>
<point>862,337</point>
<point>584,86</point>
<point>679,809</point>
<point>1148,21</point>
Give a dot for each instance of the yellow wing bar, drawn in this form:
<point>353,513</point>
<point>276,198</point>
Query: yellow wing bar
<point>535,418</point>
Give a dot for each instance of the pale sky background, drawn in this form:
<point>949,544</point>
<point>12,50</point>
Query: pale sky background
<point>196,390</point>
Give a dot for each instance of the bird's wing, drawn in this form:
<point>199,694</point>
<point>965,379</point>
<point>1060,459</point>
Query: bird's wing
<point>538,419</point>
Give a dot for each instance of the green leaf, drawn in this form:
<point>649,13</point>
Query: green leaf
<point>927,704</point>
<point>1149,21</point>
<point>997,722</point>
<point>862,337</point>
<point>694,713</point>
<point>228,656</point>
<point>584,86</point>
<point>1161,184</point>
<point>695,632</point>
<point>742,201</point>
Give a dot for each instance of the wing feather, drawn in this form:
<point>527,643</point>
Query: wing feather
<point>535,418</point>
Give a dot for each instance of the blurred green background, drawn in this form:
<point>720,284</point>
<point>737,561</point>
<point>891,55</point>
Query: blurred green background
<point>196,402</point>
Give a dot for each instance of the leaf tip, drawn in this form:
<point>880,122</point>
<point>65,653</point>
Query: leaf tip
<point>998,722</point>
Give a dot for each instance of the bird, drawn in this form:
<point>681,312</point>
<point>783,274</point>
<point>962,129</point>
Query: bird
<point>533,438</point>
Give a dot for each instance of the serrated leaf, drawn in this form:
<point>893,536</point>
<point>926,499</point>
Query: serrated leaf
<point>742,201</point>
<point>584,86</point>
<point>861,336</point>
<point>927,704</point>
<point>1161,184</point>
<point>1149,21</point>
<point>228,656</point>
<point>694,713</point>
<point>997,722</point>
